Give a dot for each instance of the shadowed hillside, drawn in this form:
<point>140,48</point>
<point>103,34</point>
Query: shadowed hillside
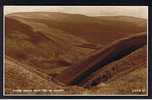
<point>44,44</point>
<point>117,50</point>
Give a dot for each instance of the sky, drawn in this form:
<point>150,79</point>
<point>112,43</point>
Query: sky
<point>135,11</point>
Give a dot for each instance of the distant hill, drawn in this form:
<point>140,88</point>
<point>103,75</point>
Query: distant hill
<point>93,29</point>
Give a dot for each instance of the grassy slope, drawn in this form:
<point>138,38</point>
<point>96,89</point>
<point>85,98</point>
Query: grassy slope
<point>44,51</point>
<point>18,76</point>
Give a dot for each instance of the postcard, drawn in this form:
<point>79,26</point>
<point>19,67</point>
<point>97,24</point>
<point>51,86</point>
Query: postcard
<point>75,51</point>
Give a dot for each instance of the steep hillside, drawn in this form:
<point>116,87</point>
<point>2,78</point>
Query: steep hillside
<point>99,59</point>
<point>43,49</point>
